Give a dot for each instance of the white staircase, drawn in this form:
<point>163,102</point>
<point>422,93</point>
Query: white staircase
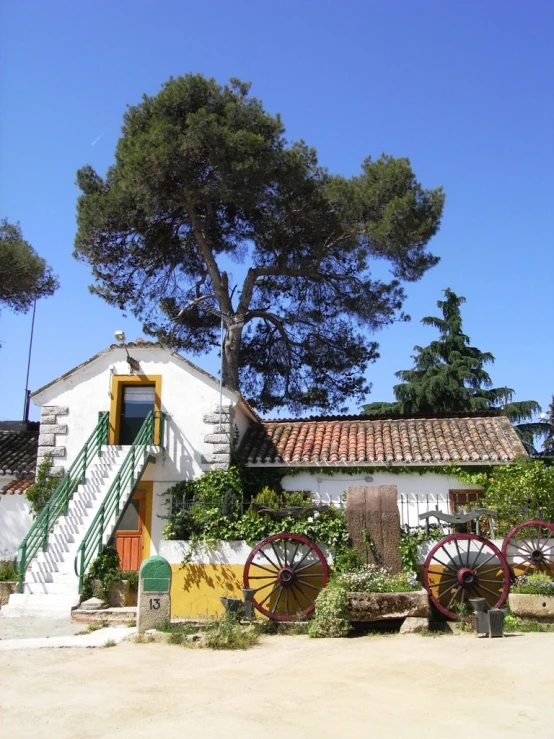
<point>51,587</point>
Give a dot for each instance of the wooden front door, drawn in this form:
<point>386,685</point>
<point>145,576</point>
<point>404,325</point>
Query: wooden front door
<point>129,533</point>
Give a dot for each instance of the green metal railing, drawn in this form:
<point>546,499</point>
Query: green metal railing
<point>125,480</point>
<point>37,537</point>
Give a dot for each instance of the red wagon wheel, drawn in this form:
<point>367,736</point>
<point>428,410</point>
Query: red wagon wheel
<point>529,548</point>
<point>286,571</point>
<point>464,566</point>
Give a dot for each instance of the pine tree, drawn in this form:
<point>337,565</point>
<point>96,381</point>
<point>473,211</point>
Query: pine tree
<point>449,376</point>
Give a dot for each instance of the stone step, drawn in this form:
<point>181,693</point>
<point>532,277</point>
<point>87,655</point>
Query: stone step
<point>108,615</point>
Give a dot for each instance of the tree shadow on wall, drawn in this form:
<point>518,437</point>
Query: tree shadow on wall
<point>196,575</point>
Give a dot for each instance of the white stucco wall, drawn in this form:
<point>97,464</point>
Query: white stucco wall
<point>187,395</point>
<point>15,522</point>
<point>416,493</point>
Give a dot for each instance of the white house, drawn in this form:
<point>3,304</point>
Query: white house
<point>18,455</point>
<point>193,423</point>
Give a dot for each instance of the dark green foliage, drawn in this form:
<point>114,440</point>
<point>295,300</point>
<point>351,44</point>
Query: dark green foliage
<point>41,491</point>
<point>548,446</point>
<point>332,615</point>
<point>347,560</point>
<point>411,540</point>
<point>449,376</point>
<point>24,276</point>
<point>519,492</point>
<point>204,176</point>
<point>268,498</point>
<point>105,569</point>
<point>8,573</point>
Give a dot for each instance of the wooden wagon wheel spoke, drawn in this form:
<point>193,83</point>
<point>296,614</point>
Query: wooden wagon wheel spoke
<point>275,566</point>
<point>301,569</point>
<point>270,594</point>
<point>297,567</point>
<point>293,591</point>
<point>476,556</point>
<point>451,601</point>
<point>288,587</point>
<point>529,547</point>
<point>277,555</point>
<point>464,575</point>
<point>265,569</point>
<point>448,567</point>
<point>276,604</point>
<point>267,585</point>
<point>308,585</point>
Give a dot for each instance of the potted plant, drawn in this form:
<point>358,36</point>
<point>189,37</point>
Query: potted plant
<point>532,596</point>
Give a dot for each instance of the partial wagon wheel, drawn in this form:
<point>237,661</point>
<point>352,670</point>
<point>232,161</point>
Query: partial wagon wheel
<point>464,566</point>
<point>529,548</point>
<point>287,572</point>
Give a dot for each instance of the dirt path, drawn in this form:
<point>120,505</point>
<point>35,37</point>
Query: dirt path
<point>379,687</point>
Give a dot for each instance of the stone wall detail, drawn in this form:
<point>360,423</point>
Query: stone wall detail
<point>50,444</point>
<point>220,439</point>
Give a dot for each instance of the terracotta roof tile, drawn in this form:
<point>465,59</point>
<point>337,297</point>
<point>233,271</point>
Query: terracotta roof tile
<point>17,487</point>
<point>18,451</point>
<point>398,441</point>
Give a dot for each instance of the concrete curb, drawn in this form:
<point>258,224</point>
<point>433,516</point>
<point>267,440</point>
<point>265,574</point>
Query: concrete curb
<point>90,641</point>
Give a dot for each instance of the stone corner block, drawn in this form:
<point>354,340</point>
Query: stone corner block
<point>56,410</point>
<point>50,451</point>
<point>214,417</point>
<point>46,428</point>
<point>217,438</point>
<point>47,418</point>
<point>219,466</point>
<point>46,439</point>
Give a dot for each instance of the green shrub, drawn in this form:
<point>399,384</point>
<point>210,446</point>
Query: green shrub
<point>268,498</point>
<point>347,560</point>
<point>411,540</point>
<point>297,498</point>
<point>105,569</point>
<point>8,572</point>
<point>332,618</point>
<point>41,491</point>
<point>519,492</point>
<point>227,633</point>
<point>538,584</point>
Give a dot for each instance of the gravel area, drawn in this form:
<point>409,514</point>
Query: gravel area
<point>380,686</point>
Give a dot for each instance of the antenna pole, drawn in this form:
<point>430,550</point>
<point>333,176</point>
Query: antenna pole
<point>27,392</point>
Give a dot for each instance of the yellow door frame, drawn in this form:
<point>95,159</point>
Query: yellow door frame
<point>118,383</point>
<point>147,487</point>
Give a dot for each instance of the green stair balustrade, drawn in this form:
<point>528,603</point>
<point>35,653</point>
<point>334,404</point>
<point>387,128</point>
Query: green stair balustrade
<point>37,537</point>
<point>125,481</point>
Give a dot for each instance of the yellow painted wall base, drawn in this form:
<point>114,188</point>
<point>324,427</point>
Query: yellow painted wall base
<point>197,588</point>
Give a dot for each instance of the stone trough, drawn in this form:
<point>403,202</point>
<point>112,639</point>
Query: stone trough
<point>368,607</point>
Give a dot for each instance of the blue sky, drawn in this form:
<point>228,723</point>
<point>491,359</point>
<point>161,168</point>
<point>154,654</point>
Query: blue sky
<point>464,89</point>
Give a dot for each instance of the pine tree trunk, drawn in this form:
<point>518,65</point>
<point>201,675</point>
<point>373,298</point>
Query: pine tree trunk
<point>231,349</point>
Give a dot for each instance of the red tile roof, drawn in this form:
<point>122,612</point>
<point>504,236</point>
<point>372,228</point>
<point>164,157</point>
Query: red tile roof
<point>17,487</point>
<point>428,441</point>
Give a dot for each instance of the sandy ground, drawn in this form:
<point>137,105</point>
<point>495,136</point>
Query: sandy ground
<point>26,628</point>
<point>378,687</point>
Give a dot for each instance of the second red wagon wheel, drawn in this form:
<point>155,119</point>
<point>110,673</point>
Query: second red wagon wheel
<point>462,567</point>
<point>286,572</point>
<point>529,548</point>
